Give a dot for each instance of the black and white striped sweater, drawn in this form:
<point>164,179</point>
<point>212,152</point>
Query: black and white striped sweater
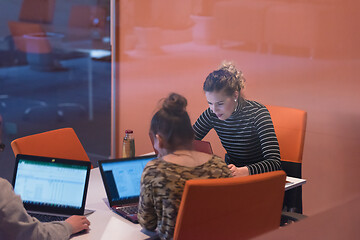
<point>248,136</point>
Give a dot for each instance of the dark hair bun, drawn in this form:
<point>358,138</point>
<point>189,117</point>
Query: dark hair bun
<point>175,104</point>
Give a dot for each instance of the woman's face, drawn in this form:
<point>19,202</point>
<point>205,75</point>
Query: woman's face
<point>221,104</point>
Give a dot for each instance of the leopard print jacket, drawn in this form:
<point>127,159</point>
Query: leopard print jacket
<point>162,185</point>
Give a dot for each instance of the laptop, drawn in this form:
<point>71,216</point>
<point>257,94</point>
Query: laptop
<point>121,178</point>
<point>52,189</point>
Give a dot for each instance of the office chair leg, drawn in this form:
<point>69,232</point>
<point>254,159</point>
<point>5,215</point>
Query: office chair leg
<point>30,109</point>
<point>73,106</point>
<point>2,102</point>
<point>59,110</point>
<point>60,115</point>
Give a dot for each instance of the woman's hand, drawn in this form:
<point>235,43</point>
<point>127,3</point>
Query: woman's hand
<point>238,172</point>
<point>78,223</point>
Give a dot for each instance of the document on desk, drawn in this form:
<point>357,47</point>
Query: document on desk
<point>292,182</point>
<point>118,229</point>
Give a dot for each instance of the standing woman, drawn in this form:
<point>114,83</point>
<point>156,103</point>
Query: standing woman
<point>163,179</point>
<point>244,127</point>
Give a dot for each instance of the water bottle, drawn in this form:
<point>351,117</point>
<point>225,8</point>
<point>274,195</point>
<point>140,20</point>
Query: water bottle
<point>128,144</point>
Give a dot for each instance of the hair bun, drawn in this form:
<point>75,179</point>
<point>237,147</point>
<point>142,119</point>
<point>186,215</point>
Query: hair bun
<point>175,104</point>
<point>230,67</point>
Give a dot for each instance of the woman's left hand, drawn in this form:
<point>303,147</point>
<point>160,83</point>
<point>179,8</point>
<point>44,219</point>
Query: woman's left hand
<point>238,172</point>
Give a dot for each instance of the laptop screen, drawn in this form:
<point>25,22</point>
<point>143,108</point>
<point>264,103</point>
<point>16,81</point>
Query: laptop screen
<point>51,183</point>
<point>122,177</point>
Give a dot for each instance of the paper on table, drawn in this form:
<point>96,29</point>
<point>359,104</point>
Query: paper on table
<point>118,229</point>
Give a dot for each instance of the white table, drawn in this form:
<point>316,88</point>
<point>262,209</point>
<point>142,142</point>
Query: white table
<point>107,225</point>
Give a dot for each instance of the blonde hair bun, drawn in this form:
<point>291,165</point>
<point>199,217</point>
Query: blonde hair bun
<point>238,75</point>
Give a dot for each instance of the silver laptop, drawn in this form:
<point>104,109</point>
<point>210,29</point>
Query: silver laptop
<point>51,189</point>
<point>121,178</point>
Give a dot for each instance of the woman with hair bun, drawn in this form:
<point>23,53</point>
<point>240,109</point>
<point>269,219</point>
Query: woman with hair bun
<point>244,127</point>
<point>163,179</point>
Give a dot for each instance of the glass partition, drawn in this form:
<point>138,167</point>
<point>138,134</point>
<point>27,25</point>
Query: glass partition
<point>55,71</point>
<point>294,53</point>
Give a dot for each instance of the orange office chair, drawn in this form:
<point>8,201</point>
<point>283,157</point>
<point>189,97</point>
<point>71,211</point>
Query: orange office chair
<point>39,11</point>
<point>60,143</point>
<point>86,22</point>
<point>38,45</point>
<point>230,208</point>
<point>202,146</point>
<point>290,126</point>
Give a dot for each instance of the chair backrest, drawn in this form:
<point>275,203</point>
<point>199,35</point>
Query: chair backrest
<point>39,11</point>
<point>87,16</point>
<point>290,126</point>
<point>60,143</point>
<point>202,146</point>
<point>230,208</point>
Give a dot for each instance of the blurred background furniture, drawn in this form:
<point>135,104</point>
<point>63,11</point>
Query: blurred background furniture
<point>44,53</point>
<point>37,11</point>
<point>300,28</point>
<point>230,208</point>
<point>38,45</point>
<point>247,21</point>
<point>87,22</point>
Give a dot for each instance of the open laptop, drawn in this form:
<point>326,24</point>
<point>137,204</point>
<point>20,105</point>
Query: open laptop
<point>52,189</point>
<point>121,178</point>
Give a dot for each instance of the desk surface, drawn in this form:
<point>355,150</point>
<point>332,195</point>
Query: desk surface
<point>105,224</point>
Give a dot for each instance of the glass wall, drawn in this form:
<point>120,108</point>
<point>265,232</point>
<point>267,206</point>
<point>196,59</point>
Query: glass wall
<point>55,71</point>
<point>294,53</point>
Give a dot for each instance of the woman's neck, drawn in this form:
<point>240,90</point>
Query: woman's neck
<point>187,157</point>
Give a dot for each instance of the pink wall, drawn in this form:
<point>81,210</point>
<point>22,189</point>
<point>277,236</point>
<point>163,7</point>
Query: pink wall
<point>301,54</point>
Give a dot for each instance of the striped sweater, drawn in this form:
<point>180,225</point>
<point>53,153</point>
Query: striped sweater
<point>248,136</point>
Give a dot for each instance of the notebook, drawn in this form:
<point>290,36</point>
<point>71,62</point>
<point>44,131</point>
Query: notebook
<point>51,188</point>
<point>121,178</point>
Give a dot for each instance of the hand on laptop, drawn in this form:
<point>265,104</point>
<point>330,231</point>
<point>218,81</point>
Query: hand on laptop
<point>78,223</point>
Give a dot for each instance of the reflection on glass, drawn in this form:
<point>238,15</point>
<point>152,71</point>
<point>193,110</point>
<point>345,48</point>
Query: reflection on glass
<point>294,53</point>
<point>55,69</point>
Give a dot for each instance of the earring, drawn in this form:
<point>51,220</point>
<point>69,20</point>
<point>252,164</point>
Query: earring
<point>235,100</point>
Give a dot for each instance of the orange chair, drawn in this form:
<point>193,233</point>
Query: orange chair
<point>27,45</point>
<point>86,22</point>
<point>40,11</point>
<point>290,126</point>
<point>202,146</point>
<point>60,143</point>
<point>230,208</point>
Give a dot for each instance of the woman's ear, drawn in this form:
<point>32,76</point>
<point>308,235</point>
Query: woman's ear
<point>160,140</point>
<point>236,95</point>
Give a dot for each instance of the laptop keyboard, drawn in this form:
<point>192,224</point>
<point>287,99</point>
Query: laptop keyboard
<point>47,218</point>
<point>130,209</point>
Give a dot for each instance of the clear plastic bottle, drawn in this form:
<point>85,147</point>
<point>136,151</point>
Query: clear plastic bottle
<point>128,144</point>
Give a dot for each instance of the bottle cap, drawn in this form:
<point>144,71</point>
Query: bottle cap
<point>128,131</point>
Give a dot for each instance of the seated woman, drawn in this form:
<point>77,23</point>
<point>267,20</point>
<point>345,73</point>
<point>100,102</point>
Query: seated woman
<point>244,127</point>
<point>163,179</point>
